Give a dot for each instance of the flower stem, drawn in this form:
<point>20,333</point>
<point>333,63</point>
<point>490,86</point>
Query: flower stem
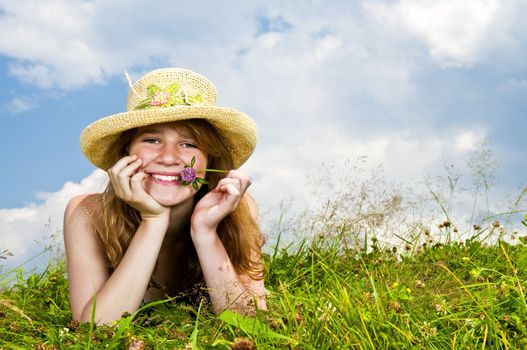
<point>211,171</point>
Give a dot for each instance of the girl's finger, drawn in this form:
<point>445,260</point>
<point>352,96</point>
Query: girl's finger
<point>233,193</point>
<point>234,187</point>
<point>230,189</point>
<point>136,185</point>
<point>114,171</point>
<point>245,180</point>
<point>230,180</point>
<point>124,177</point>
<point>121,163</point>
<point>129,170</point>
<point>121,180</point>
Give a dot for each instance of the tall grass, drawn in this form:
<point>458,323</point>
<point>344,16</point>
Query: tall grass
<point>322,295</point>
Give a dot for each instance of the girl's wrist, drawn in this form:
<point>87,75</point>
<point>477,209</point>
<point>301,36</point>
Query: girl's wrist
<point>203,236</point>
<point>156,220</point>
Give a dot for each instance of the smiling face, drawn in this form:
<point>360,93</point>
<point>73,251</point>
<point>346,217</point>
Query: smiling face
<point>165,150</point>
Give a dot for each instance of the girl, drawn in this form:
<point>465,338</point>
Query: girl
<point>164,225</point>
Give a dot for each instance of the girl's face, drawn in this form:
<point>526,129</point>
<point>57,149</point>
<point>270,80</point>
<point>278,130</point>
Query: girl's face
<point>165,150</point>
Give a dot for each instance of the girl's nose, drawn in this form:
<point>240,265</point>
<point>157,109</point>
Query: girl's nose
<point>169,155</point>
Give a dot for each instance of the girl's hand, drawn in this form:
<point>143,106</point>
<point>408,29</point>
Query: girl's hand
<point>127,182</point>
<point>219,202</point>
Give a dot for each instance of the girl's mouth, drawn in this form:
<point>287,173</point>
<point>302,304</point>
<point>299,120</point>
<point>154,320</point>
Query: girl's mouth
<point>166,179</point>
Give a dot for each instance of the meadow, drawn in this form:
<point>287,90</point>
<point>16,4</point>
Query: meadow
<point>321,296</point>
<point>335,280</point>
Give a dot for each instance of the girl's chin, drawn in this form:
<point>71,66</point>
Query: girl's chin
<point>167,200</point>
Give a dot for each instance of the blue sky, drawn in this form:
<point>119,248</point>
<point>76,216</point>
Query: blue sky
<point>411,84</point>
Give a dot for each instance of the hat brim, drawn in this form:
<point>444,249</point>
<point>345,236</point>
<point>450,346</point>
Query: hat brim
<point>238,130</point>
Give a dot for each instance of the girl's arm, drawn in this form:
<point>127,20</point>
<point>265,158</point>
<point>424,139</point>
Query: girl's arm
<point>227,289</point>
<point>91,285</point>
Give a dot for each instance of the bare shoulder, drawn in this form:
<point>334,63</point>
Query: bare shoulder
<point>81,209</point>
<point>83,202</point>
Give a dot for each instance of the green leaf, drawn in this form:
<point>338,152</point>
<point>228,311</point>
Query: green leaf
<point>195,185</point>
<point>201,180</point>
<point>194,335</point>
<point>195,99</point>
<point>192,161</point>
<point>178,101</point>
<point>252,326</point>
<point>173,88</point>
<point>152,89</point>
<point>143,104</point>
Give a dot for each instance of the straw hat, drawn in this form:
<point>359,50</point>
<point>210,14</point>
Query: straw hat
<point>167,95</point>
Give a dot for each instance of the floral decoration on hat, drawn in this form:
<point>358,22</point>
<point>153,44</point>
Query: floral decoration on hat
<point>168,97</point>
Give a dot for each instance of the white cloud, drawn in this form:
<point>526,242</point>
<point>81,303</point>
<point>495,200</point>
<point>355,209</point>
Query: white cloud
<point>456,32</point>
<point>468,140</point>
<point>26,231</point>
<point>67,44</point>
<point>281,169</point>
<point>51,41</point>
<point>19,105</point>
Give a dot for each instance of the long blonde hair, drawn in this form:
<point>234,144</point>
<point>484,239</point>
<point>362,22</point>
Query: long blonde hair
<point>239,232</point>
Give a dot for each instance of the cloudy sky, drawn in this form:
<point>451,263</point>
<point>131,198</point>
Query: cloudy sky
<point>411,84</point>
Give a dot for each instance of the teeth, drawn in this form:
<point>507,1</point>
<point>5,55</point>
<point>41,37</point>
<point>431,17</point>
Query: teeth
<point>165,177</point>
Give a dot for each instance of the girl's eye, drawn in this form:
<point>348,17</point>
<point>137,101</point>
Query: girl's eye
<point>151,140</point>
<point>189,145</point>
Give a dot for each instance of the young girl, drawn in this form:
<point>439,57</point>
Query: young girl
<point>164,225</point>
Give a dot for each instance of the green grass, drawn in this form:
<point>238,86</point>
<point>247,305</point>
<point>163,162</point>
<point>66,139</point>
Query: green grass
<point>321,296</point>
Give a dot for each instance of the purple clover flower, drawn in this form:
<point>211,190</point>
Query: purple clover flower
<point>188,175</point>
